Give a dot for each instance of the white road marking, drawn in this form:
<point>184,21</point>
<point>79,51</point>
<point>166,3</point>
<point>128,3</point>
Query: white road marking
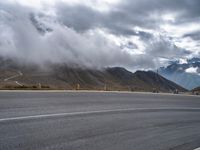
<point>93,112</point>
<point>197,149</point>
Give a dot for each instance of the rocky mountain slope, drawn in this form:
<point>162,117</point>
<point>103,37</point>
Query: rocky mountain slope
<point>64,77</point>
<point>186,74</point>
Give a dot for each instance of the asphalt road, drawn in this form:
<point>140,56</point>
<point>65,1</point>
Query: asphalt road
<point>98,121</point>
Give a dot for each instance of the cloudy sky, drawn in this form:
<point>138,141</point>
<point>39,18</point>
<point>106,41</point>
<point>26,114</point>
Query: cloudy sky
<point>136,34</point>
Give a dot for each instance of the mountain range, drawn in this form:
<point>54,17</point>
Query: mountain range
<point>185,73</point>
<point>64,77</point>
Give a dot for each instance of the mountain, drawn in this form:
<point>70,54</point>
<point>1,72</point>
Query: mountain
<point>186,74</point>
<point>155,80</point>
<point>64,77</point>
<point>196,90</point>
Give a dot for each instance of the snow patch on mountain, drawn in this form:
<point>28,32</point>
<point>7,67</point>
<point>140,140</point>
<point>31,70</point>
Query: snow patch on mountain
<point>183,61</point>
<point>193,70</point>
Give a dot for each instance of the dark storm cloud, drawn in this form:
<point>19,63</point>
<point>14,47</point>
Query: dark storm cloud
<point>128,13</point>
<point>34,35</point>
<point>79,17</point>
<point>187,8</point>
<point>162,47</point>
<point>193,35</point>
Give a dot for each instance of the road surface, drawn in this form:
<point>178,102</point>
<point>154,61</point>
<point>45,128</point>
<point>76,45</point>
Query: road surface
<point>98,121</point>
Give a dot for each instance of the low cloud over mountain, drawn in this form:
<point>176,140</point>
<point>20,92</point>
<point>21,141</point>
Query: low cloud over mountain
<point>139,34</point>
